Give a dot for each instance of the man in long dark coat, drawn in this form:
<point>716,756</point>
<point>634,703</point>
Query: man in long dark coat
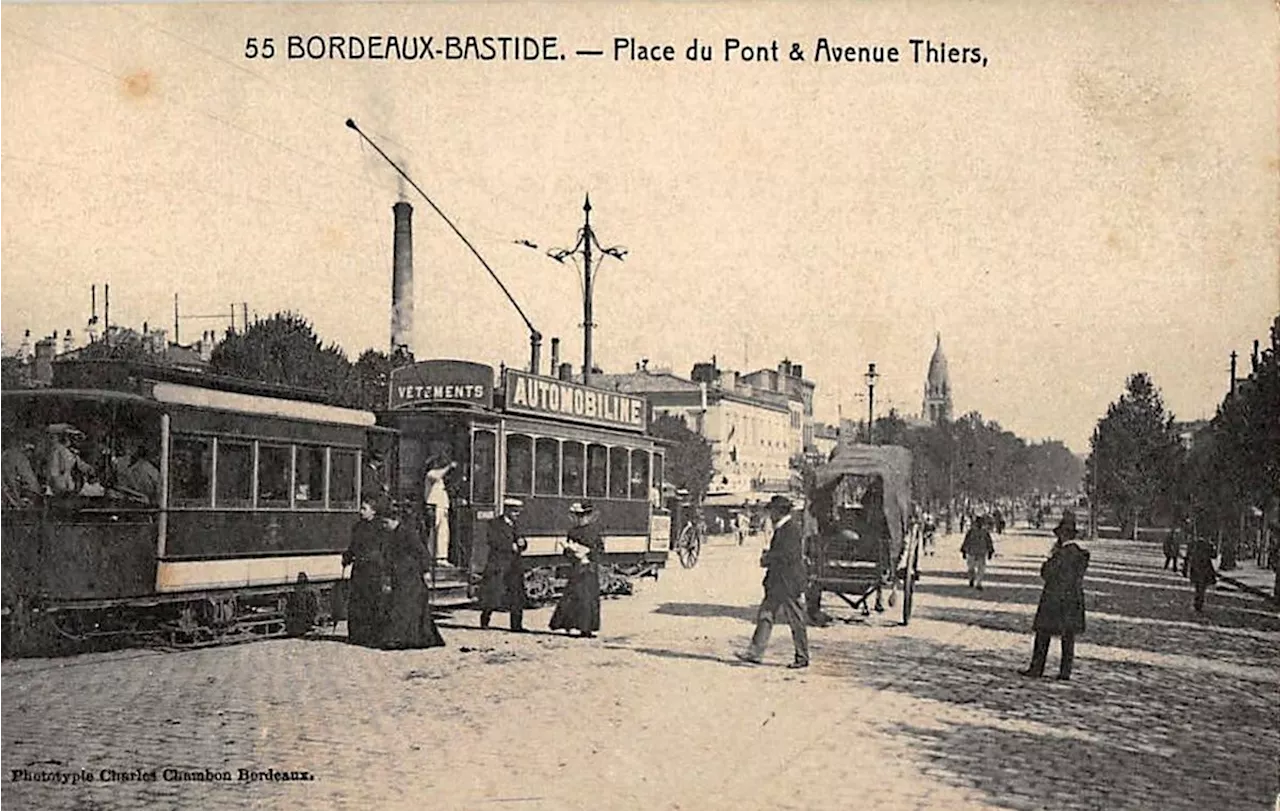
<point>1061,609</point>
<point>784,582</point>
<point>579,607</point>
<point>364,590</point>
<point>1200,569</point>
<point>502,584</point>
<point>977,549</point>
<point>409,623</point>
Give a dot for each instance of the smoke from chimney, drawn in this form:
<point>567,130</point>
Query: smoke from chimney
<point>402,278</point>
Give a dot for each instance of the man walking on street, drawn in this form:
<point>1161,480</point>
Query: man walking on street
<point>784,582</point>
<point>1200,569</point>
<point>1061,608</point>
<point>977,550</point>
<point>502,584</point>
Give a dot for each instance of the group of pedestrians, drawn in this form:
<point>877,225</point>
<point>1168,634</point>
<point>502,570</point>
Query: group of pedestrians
<point>502,586</point>
<point>388,602</point>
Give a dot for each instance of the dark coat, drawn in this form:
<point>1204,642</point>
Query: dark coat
<point>977,541</point>
<point>502,584</point>
<point>1200,557</point>
<point>409,623</point>
<point>785,576</point>
<point>1062,601</point>
<point>579,606</point>
<point>365,600</point>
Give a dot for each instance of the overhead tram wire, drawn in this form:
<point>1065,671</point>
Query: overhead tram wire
<point>535,337</point>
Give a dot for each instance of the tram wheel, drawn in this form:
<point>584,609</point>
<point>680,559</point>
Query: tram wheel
<point>690,544</point>
<point>537,585</point>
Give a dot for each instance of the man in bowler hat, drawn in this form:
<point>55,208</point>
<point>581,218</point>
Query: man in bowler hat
<point>1061,608</point>
<point>784,582</point>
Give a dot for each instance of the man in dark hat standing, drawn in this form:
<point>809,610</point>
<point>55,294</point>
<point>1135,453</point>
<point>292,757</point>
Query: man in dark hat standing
<point>502,584</point>
<point>784,582</point>
<point>1061,608</point>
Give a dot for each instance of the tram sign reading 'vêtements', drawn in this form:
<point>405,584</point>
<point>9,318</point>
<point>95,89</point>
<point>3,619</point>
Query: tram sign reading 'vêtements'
<point>546,396</point>
<point>442,381</point>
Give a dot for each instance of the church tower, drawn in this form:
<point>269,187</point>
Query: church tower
<point>937,387</point>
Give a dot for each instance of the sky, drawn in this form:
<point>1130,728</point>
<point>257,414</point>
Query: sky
<point>1100,198</point>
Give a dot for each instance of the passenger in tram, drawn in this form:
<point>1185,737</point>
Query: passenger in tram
<point>20,483</point>
<point>436,497</point>
<point>579,607</point>
<point>365,599</point>
<point>502,584</point>
<point>137,477</point>
<point>409,623</point>
<point>65,471</point>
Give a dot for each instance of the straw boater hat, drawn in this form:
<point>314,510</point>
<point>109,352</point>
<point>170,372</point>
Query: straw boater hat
<point>582,508</point>
<point>512,503</point>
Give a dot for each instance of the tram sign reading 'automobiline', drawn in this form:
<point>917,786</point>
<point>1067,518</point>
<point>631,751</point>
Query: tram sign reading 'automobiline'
<point>545,396</point>
<point>442,381</point>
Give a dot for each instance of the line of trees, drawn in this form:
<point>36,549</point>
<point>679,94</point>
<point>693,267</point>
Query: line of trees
<point>1221,479</point>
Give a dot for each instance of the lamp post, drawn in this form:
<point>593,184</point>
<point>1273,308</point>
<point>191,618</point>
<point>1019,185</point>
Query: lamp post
<point>871,378</point>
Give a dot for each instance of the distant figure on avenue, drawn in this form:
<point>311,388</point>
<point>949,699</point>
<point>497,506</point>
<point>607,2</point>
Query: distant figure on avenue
<point>977,549</point>
<point>21,486</point>
<point>784,582</point>
<point>365,598</point>
<point>408,616</point>
<point>579,606</point>
<point>997,519</point>
<point>1172,549</point>
<point>741,524</point>
<point>436,498</point>
<point>1200,555</point>
<point>502,584</point>
<point>1061,609</point>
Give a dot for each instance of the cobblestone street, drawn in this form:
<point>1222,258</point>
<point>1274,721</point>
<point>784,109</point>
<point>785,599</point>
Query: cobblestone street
<point>1167,709</point>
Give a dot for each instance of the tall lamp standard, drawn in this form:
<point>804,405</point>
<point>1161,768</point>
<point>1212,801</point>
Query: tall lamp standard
<point>871,378</point>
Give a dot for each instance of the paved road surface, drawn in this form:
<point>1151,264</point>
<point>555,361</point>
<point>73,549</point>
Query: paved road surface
<point>1168,709</point>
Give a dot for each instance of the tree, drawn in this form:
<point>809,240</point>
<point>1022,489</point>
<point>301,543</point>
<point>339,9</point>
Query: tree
<point>371,376</point>
<point>689,458</point>
<point>283,349</point>
<point>1135,456</point>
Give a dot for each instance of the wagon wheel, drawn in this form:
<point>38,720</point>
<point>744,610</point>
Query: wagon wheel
<point>909,586</point>
<point>537,585</point>
<point>689,545</point>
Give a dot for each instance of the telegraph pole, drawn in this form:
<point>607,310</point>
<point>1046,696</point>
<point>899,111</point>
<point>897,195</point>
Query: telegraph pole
<point>585,239</point>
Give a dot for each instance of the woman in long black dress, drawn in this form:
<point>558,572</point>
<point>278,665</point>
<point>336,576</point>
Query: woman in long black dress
<point>409,623</point>
<point>364,590</point>
<point>579,607</point>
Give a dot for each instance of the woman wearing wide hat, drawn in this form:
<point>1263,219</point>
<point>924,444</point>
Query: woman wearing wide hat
<point>1061,609</point>
<point>579,607</point>
<point>408,619</point>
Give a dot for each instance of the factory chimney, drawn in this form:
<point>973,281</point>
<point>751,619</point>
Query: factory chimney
<point>402,278</point>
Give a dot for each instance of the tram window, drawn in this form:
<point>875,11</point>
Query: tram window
<point>308,492</point>
<point>519,464</point>
<point>619,479</point>
<point>235,474</point>
<point>484,457</point>
<point>189,468</point>
<point>640,475</point>
<point>342,479</point>
<point>273,475</point>
<point>597,471</point>
<point>571,474</point>
<point>547,467</point>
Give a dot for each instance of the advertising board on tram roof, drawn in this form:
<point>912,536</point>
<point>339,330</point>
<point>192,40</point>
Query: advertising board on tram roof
<point>442,381</point>
<point>549,397</point>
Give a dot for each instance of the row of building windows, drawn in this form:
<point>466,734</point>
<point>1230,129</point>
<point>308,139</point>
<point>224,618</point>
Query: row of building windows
<point>544,466</point>
<point>246,474</point>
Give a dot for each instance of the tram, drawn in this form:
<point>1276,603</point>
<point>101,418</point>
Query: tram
<point>195,510</point>
<point>548,442</point>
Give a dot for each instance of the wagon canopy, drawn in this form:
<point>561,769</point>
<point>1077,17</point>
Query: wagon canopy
<point>891,463</point>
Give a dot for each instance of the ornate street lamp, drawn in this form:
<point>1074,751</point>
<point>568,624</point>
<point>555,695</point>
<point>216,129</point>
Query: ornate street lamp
<point>871,378</point>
